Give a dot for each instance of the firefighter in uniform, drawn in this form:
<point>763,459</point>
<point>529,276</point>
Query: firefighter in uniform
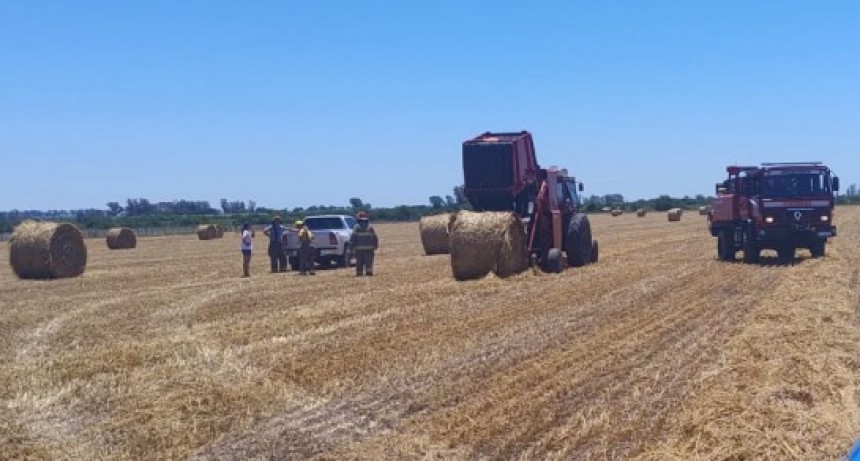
<point>365,243</point>
<point>306,249</point>
<point>277,254</point>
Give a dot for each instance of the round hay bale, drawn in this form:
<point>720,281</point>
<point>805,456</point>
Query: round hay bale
<point>486,242</point>
<point>674,214</point>
<point>120,238</point>
<point>47,250</point>
<point>434,233</point>
<point>617,212</point>
<point>703,210</point>
<point>207,232</point>
<point>219,231</point>
<point>640,212</point>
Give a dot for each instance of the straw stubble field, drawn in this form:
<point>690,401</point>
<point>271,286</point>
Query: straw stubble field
<point>657,352</point>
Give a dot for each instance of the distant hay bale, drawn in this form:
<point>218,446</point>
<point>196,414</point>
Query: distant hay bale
<point>219,231</point>
<point>674,214</point>
<point>703,210</point>
<point>47,250</point>
<point>434,233</point>
<point>640,212</point>
<point>617,212</point>
<point>120,238</point>
<point>486,242</point>
<point>207,232</point>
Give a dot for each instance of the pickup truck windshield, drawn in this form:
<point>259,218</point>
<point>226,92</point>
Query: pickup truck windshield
<point>324,223</point>
<point>795,185</point>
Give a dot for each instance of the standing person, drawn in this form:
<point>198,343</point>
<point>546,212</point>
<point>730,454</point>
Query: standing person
<point>277,255</point>
<point>365,243</point>
<point>247,236</point>
<point>306,249</point>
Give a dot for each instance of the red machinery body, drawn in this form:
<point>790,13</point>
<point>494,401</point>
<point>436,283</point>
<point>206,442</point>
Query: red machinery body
<point>779,206</point>
<point>501,173</point>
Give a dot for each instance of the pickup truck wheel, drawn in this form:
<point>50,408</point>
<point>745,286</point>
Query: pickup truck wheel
<point>345,259</point>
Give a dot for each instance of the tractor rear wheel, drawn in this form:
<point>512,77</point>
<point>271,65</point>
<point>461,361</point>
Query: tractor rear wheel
<point>578,241</point>
<point>725,246</point>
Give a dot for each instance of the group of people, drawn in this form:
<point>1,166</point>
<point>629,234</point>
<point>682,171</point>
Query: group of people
<point>364,243</point>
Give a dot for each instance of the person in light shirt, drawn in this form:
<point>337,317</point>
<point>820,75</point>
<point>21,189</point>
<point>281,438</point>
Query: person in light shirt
<point>247,245</point>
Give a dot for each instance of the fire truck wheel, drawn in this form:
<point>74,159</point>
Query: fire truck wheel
<point>817,248</point>
<point>578,241</point>
<point>785,254</point>
<point>751,250</point>
<point>725,246</point>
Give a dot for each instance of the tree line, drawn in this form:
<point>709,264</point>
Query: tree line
<point>140,212</point>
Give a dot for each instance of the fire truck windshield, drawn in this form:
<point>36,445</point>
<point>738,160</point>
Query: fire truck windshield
<point>795,185</point>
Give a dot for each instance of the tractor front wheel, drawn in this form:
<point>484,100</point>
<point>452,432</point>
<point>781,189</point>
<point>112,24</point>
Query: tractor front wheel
<point>554,262</point>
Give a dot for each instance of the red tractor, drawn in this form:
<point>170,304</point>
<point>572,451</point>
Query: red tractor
<point>501,173</point>
<point>777,206</point>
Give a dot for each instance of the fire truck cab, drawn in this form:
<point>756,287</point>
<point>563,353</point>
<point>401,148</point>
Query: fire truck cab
<point>777,206</point>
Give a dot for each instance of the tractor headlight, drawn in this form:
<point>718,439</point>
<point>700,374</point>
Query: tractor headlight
<point>825,218</point>
<point>768,219</point>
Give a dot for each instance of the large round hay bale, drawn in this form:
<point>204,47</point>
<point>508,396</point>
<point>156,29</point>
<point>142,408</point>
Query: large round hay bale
<point>674,214</point>
<point>219,231</point>
<point>640,212</point>
<point>120,238</point>
<point>47,250</point>
<point>703,210</point>
<point>207,232</point>
<point>486,242</point>
<point>434,233</point>
<point>617,212</point>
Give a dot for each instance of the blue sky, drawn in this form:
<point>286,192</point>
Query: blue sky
<point>299,103</point>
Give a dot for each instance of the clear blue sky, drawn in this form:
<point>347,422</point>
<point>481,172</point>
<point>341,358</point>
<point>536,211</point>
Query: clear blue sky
<point>299,103</point>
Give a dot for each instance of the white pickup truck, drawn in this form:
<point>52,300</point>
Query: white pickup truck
<point>331,240</point>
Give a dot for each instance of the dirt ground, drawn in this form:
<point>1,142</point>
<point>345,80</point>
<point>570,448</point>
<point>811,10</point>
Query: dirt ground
<point>658,352</point>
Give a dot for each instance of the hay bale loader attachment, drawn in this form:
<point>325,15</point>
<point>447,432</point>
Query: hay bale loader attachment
<point>501,174</point>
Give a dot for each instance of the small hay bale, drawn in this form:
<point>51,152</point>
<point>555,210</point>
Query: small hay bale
<point>703,210</point>
<point>47,250</point>
<point>674,214</point>
<point>207,232</point>
<point>486,242</point>
<point>434,233</point>
<point>640,212</point>
<point>617,212</point>
<point>120,238</point>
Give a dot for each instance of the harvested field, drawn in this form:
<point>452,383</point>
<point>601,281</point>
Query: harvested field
<point>657,352</point>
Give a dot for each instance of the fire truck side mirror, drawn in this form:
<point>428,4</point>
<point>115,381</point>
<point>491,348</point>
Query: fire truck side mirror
<point>720,188</point>
<point>835,184</point>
